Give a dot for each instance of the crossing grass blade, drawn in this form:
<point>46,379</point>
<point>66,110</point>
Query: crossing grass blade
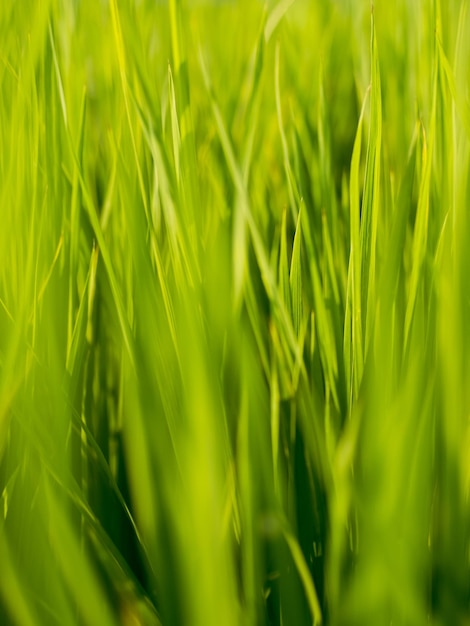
<point>75,568</point>
<point>302,567</point>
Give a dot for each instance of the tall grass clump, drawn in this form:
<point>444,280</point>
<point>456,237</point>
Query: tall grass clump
<point>234,313</point>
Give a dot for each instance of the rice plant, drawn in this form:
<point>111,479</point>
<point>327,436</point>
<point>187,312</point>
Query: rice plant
<point>234,313</point>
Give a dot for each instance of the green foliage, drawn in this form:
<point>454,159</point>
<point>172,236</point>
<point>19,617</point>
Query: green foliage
<point>234,313</point>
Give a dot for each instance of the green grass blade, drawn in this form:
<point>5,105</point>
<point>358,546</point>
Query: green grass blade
<point>371,197</point>
<point>295,279</point>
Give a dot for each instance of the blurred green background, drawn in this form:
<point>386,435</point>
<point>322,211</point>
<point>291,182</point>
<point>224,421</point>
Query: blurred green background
<point>234,312</point>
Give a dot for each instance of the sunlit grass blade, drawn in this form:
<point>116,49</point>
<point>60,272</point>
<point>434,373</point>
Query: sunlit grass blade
<point>275,16</point>
<point>188,151</point>
<point>294,195</point>
<point>371,198</point>
<point>422,215</point>
<point>75,224</point>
